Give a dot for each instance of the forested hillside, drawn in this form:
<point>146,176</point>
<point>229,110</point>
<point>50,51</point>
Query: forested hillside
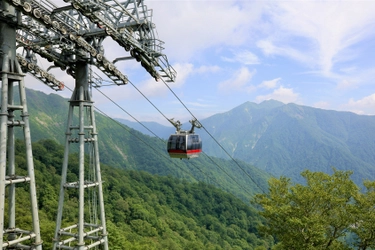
<point>285,139</point>
<point>145,211</point>
<point>126,148</point>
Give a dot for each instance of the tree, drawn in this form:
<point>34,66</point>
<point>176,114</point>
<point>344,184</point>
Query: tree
<point>365,216</point>
<point>311,216</point>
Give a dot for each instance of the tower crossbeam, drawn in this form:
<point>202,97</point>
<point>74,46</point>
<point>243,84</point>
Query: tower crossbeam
<point>130,25</point>
<point>50,39</point>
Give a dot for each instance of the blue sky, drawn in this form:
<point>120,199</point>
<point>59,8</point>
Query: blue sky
<point>314,53</point>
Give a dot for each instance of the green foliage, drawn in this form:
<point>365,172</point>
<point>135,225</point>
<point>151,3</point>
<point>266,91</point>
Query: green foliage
<point>364,213</point>
<point>179,214</point>
<point>145,211</point>
<point>320,214</point>
<point>125,148</point>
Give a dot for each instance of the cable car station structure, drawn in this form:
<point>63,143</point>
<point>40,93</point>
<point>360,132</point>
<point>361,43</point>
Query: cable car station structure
<point>71,38</point>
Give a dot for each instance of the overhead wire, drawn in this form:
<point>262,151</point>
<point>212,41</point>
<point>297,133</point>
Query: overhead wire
<point>143,141</point>
<point>226,173</point>
<point>183,104</point>
<point>147,144</point>
<point>110,99</point>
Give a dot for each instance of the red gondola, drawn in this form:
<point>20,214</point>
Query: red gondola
<point>184,144</point>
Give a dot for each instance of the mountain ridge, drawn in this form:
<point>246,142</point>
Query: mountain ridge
<point>123,147</point>
<point>285,139</point>
<point>277,138</point>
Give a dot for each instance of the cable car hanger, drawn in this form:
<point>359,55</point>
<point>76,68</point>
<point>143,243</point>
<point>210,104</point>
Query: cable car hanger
<point>177,125</point>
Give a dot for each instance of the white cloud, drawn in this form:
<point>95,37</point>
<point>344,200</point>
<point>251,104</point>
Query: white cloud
<point>348,70</point>
<point>285,95</point>
<point>270,84</point>
<point>152,88</point>
<point>322,105</point>
<point>352,78</point>
<point>362,106</point>
<point>322,30</point>
<point>188,27</point>
<point>148,88</point>
<point>347,84</point>
<point>268,48</point>
<point>244,57</point>
<point>240,81</point>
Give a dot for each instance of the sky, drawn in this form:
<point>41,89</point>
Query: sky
<point>226,52</point>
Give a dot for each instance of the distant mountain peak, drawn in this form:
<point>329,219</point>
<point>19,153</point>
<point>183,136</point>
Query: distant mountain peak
<point>285,139</point>
<point>267,104</point>
<point>271,103</point>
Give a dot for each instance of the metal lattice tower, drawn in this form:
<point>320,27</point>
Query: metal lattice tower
<point>12,79</point>
<point>71,38</point>
<point>89,231</point>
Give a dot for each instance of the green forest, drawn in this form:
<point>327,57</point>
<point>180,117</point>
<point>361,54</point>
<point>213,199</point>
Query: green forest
<point>148,211</point>
<point>144,211</point>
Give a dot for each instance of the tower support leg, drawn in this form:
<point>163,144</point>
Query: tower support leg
<point>14,114</point>
<point>9,179</point>
<point>88,230</point>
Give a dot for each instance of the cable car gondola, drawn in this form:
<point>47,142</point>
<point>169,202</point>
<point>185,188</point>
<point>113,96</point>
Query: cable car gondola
<point>184,144</point>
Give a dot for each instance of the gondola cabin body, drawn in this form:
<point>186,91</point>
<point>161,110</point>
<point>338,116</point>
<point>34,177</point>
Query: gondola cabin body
<point>184,145</point>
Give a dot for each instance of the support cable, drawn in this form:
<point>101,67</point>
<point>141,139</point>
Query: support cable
<point>164,140</point>
<point>150,101</point>
<point>127,112</point>
<point>212,136</point>
<point>147,144</point>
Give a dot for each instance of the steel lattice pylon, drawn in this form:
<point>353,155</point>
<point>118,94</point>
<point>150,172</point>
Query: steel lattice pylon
<point>71,38</point>
<point>89,231</point>
<point>12,79</point>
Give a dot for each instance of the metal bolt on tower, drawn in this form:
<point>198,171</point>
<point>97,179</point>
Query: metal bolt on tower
<point>12,109</point>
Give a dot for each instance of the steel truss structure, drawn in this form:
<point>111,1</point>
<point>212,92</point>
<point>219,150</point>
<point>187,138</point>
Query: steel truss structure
<point>71,38</point>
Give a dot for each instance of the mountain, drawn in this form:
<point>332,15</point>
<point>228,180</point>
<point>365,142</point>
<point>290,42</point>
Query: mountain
<point>150,128</point>
<point>284,139</point>
<point>143,211</point>
<point>125,148</point>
